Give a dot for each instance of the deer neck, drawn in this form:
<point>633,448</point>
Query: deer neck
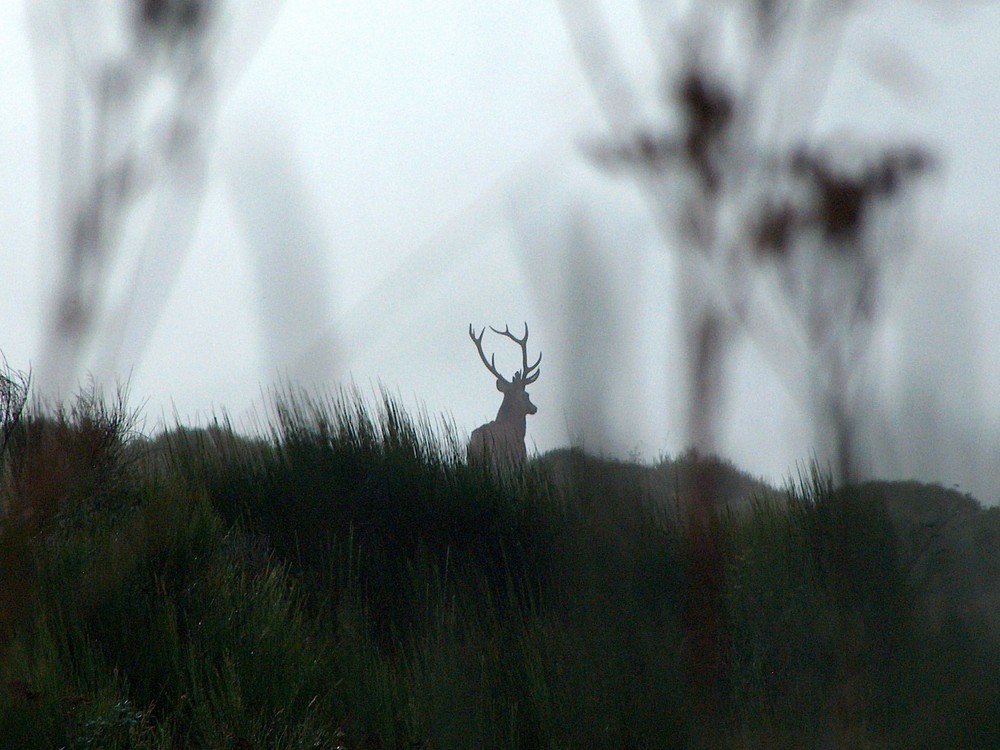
<point>512,416</point>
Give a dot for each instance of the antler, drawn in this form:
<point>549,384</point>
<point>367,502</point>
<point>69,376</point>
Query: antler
<point>525,375</point>
<point>491,365</point>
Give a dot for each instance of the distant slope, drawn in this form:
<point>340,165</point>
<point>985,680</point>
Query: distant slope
<point>951,545</point>
<point>662,484</point>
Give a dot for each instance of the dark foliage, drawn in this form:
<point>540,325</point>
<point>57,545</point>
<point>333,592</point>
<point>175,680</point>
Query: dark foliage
<point>349,581</point>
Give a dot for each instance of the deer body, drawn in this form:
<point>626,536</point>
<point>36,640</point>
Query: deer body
<point>503,438</point>
<point>501,442</point>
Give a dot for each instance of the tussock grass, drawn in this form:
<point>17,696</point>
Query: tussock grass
<point>345,579</point>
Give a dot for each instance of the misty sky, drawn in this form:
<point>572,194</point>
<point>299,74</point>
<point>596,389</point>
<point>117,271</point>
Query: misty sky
<point>382,175</point>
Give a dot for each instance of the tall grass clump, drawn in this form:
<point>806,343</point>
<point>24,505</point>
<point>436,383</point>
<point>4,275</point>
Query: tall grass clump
<point>59,469</point>
<point>363,498</point>
<point>139,625</point>
<point>822,615</point>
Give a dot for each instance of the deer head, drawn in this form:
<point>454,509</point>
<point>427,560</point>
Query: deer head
<point>503,438</point>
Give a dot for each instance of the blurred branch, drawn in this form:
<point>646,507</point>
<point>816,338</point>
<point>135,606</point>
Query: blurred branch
<point>717,126</point>
<point>752,211</point>
<point>131,89</point>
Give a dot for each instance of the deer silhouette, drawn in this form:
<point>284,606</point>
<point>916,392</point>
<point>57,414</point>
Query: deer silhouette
<point>501,442</point>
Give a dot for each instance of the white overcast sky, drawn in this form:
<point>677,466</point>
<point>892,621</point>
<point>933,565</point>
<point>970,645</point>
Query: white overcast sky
<point>417,166</point>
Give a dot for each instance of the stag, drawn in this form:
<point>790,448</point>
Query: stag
<point>502,440</point>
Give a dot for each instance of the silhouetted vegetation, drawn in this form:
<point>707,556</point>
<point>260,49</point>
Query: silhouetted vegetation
<point>347,580</point>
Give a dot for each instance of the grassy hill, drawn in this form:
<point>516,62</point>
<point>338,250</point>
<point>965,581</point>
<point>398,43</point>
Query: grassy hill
<point>346,580</point>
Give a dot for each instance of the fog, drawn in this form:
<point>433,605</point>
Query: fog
<point>368,182</point>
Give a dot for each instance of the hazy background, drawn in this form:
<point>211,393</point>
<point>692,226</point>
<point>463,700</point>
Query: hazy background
<point>379,177</point>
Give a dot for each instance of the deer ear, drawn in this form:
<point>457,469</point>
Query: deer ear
<point>501,386</point>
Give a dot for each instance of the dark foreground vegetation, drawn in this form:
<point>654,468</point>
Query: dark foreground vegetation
<point>348,581</point>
